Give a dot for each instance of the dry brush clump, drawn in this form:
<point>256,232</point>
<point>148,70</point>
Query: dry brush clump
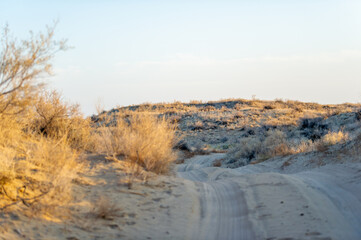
<point>39,134</point>
<point>105,209</point>
<point>35,171</point>
<point>140,141</point>
<point>257,149</point>
<point>330,139</point>
<point>55,118</point>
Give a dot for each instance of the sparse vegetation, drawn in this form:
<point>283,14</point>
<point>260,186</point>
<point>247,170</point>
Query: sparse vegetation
<point>250,130</point>
<point>141,141</point>
<point>42,136</point>
<point>36,165</point>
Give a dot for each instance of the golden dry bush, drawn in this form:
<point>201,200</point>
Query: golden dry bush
<point>7,165</point>
<point>141,139</point>
<point>10,139</point>
<point>56,118</point>
<point>52,165</point>
<point>333,138</point>
<point>276,144</point>
<point>330,139</point>
<point>34,171</point>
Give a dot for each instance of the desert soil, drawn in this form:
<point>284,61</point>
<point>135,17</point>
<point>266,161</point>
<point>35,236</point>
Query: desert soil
<point>257,201</point>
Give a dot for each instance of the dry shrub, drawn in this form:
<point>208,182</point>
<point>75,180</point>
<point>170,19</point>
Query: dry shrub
<point>34,170</point>
<point>52,164</point>
<point>275,144</point>
<point>37,163</point>
<point>282,149</point>
<point>56,119</point>
<point>248,149</point>
<point>105,209</point>
<point>330,139</point>
<point>333,138</point>
<point>142,139</point>
<point>10,136</point>
<point>303,146</point>
<point>7,166</point>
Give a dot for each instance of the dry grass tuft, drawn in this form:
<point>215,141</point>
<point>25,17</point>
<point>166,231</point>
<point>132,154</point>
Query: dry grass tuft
<point>35,170</point>
<point>333,138</point>
<point>330,139</point>
<point>37,173</point>
<point>140,140</point>
<point>105,209</point>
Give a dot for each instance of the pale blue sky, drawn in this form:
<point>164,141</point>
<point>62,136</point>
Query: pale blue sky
<point>130,52</point>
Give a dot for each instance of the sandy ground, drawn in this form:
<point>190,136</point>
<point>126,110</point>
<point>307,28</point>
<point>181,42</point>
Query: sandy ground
<point>253,203</point>
<point>202,202</point>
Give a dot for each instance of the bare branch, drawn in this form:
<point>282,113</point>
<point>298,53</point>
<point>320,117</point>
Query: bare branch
<point>22,64</point>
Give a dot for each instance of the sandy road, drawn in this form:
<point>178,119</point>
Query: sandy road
<point>323,203</point>
<point>223,212</point>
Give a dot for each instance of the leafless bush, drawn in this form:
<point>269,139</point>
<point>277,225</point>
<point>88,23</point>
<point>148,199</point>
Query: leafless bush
<point>22,63</point>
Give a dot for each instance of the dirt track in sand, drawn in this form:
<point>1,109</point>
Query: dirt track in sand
<point>323,203</point>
